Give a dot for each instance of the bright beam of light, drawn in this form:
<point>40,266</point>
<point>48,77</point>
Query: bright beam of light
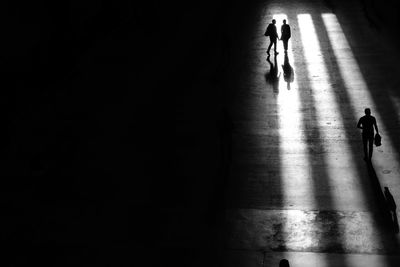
<point>294,164</point>
<point>348,67</point>
<point>360,96</point>
<point>338,163</point>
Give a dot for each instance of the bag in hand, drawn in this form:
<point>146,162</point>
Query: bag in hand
<point>378,139</point>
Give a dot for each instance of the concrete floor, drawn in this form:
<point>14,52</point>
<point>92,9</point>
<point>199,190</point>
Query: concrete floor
<point>298,185</point>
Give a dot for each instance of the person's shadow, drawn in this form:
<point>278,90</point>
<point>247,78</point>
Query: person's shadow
<point>396,223</point>
<point>272,77</point>
<point>288,73</point>
<point>385,200</point>
<point>391,206</point>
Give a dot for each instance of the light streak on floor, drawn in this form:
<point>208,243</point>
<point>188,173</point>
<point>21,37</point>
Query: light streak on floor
<point>339,162</point>
<point>295,168</point>
<point>295,164</point>
<point>330,124</point>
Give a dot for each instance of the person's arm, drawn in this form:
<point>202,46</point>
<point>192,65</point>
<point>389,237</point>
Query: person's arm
<point>376,126</point>
<point>359,124</point>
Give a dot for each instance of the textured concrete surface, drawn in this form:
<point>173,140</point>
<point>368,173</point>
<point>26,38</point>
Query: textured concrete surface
<point>298,181</point>
<point>312,231</point>
<point>309,259</point>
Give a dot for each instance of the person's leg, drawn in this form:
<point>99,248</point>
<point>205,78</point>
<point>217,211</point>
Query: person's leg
<point>365,140</point>
<point>275,47</point>
<point>270,44</point>
<point>371,146</point>
<point>285,44</point>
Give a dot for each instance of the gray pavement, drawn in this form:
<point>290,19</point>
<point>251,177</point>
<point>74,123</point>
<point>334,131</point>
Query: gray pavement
<point>298,185</point>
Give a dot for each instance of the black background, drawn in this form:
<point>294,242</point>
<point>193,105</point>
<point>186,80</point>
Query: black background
<point>103,128</point>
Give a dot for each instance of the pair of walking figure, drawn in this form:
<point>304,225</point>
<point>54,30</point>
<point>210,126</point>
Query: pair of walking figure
<point>271,31</point>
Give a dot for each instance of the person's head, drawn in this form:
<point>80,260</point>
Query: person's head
<point>284,21</point>
<point>273,21</point>
<point>367,111</point>
<point>284,263</point>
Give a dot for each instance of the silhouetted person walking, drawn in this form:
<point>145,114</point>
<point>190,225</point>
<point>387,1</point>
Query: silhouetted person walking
<point>273,76</point>
<point>285,34</point>
<point>367,124</point>
<point>273,36</point>
<point>288,74</point>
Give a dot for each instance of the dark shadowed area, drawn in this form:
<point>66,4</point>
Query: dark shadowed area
<point>112,114</point>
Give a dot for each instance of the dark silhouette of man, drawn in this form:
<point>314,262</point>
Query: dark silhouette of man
<point>367,124</point>
<point>285,34</point>
<point>273,36</point>
<point>273,76</point>
<point>288,74</point>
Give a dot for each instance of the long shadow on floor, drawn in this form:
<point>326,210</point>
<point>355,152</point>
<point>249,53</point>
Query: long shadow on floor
<point>385,201</point>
